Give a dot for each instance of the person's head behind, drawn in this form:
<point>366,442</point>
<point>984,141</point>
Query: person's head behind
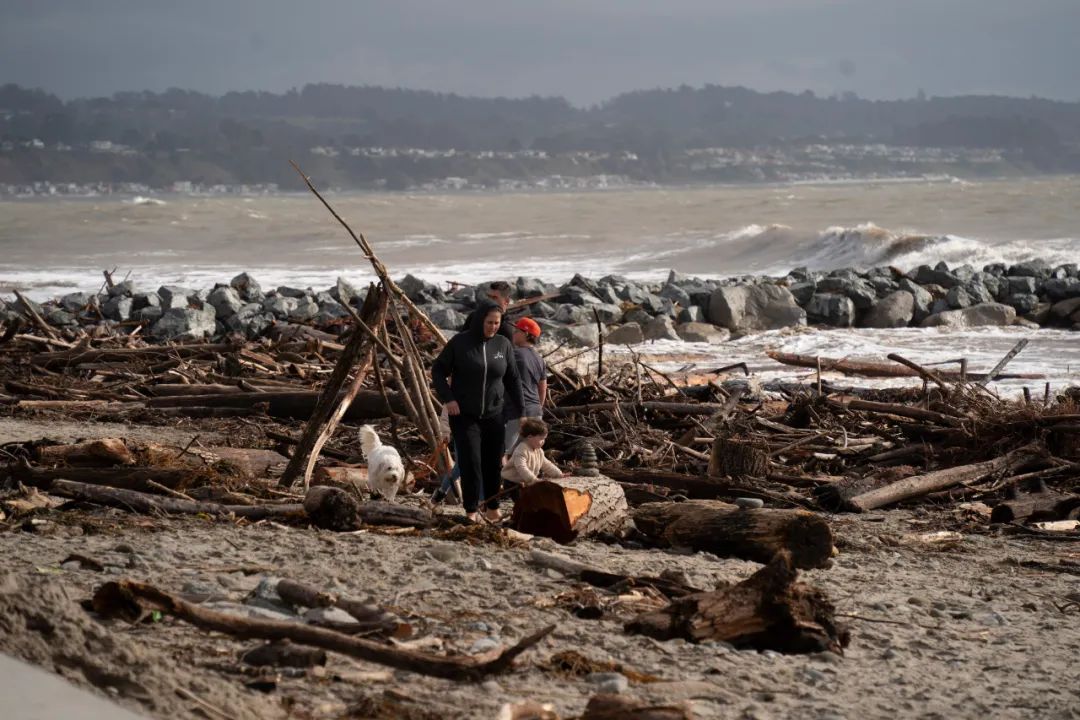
<point>526,332</point>
<point>492,321</point>
<point>533,432</point>
<point>499,292</point>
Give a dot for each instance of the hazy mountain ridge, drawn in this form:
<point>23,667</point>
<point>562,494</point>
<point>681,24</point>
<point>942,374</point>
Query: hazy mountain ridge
<point>396,138</point>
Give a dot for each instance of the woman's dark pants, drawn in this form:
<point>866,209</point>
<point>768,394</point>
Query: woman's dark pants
<point>479,443</point>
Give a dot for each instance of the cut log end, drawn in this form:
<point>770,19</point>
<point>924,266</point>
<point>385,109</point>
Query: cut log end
<point>767,611</point>
<point>567,508</point>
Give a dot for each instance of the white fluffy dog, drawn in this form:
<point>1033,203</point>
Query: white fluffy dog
<point>386,473</point>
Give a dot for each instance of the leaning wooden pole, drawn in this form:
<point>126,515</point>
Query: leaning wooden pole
<point>376,263</point>
<point>359,346</point>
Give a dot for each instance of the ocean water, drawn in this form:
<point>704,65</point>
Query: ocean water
<point>56,245</point>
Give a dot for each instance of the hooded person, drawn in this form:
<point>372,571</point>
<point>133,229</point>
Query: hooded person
<point>472,376</point>
<point>497,295</point>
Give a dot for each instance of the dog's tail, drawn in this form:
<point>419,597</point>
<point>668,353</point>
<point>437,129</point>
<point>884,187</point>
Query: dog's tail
<point>369,440</point>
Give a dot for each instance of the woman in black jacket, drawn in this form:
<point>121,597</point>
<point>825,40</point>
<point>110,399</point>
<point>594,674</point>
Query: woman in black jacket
<point>472,375</point>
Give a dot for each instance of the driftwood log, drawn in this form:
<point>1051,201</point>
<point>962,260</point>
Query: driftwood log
<point>144,503</point>
<point>567,508</point>
<point>767,611</point>
<point>103,452</point>
<point>876,369</point>
<point>132,600</point>
<point>127,478</point>
<point>369,617</point>
<point>1036,507</point>
<point>728,531</point>
<point>919,485</point>
<point>596,577</point>
<point>298,404</point>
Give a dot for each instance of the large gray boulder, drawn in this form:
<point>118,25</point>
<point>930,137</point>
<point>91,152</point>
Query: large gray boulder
<point>1021,285</point>
<point>417,290</point>
<point>924,299</point>
<point>251,323</point>
<point>225,301</point>
<point>118,307</point>
<point>181,323</point>
<point>830,309</point>
<point>175,296</point>
<point>1037,268</point>
<point>576,295</point>
<point>958,297</point>
<point>59,316</point>
<point>279,306</point>
<point>938,275</point>
<point>892,311</point>
<point>607,313</point>
<point>628,334</point>
<point>803,291</point>
<point>569,314</point>
<point>445,317</point>
<point>305,309</point>
<point>1061,311</point>
<point>76,301</point>
<point>145,300</point>
<point>286,291</point>
<point>607,295</point>
<point>748,308</point>
<point>1061,288</point>
<point>702,332</point>
<point>1023,302</point>
<point>586,335</point>
<point>530,287</point>
<point>974,316</point>
<point>248,287</point>
<point>660,327</point>
<point>676,294</point>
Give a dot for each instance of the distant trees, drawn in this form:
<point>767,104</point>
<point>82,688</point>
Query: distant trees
<point>239,131</point>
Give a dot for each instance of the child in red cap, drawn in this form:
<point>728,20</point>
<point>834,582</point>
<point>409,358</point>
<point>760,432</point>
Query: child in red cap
<point>533,373</point>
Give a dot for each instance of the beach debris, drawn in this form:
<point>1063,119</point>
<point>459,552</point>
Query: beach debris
<point>728,531</point>
<point>132,601</point>
<point>770,610</point>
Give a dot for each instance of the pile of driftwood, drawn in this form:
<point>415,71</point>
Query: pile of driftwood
<point>832,449</point>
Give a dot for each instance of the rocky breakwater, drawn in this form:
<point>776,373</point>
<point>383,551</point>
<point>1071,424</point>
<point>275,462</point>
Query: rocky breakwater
<point>624,311</point>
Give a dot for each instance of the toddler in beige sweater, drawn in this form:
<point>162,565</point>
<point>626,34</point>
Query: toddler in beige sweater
<point>528,462</point>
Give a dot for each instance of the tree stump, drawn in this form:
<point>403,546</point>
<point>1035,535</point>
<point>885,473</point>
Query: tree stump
<point>567,508</point>
<point>728,531</point>
<point>767,611</point>
<point>737,458</point>
<point>332,508</point>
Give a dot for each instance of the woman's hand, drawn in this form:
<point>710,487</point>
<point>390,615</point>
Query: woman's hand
<point>452,408</point>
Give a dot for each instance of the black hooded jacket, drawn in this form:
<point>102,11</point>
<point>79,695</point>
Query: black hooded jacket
<point>477,372</point>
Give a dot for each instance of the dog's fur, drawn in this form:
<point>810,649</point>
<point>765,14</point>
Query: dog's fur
<point>386,472</point>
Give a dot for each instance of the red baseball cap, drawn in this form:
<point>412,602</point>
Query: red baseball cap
<point>528,326</point>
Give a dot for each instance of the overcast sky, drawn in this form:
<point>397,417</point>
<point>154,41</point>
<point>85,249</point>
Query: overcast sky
<point>585,50</point>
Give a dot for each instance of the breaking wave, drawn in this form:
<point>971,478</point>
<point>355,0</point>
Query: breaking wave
<point>867,245</point>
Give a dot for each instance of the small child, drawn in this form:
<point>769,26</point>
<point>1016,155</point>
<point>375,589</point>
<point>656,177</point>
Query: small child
<point>528,462</point>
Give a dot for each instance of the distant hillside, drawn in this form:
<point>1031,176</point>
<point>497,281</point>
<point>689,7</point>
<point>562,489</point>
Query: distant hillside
<point>384,137</point>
